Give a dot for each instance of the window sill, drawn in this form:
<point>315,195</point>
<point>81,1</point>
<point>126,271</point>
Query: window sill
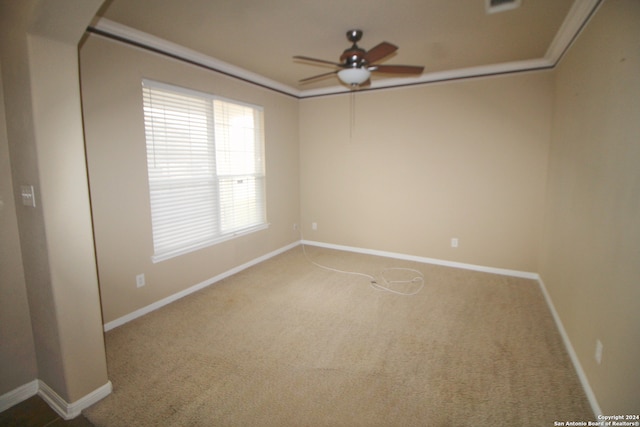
<point>163,257</point>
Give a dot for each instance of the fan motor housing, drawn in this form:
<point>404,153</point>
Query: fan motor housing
<point>353,57</point>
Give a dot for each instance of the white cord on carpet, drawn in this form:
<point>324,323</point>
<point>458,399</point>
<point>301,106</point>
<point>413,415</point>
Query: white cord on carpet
<point>386,283</point>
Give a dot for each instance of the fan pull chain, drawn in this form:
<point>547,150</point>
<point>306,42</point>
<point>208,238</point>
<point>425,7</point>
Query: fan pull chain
<point>352,113</point>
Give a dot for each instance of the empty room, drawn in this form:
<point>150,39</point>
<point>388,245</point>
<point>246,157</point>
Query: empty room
<point>355,213</point>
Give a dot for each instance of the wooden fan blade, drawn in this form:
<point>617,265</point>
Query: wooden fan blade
<point>380,51</point>
<point>319,76</point>
<point>397,69</point>
<point>321,61</point>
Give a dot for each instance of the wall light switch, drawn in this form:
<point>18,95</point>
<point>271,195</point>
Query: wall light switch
<point>28,195</point>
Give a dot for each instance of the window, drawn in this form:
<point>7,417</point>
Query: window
<point>205,162</point>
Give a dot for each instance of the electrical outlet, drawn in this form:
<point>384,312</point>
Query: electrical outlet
<point>314,226</point>
<point>598,354</point>
<point>454,242</point>
<point>295,227</point>
<point>140,282</point>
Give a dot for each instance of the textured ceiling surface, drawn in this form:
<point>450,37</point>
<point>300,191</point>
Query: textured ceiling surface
<point>262,37</point>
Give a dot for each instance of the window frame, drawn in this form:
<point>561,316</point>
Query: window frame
<point>213,182</point>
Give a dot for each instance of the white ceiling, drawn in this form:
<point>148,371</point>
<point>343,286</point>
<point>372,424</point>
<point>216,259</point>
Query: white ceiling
<point>256,39</point>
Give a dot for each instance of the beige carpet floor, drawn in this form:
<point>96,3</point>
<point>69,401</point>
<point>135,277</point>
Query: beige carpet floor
<point>285,343</point>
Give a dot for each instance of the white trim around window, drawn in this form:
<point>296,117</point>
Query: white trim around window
<point>206,168</point>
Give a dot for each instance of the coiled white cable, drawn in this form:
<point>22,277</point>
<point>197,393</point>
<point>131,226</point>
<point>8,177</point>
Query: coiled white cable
<point>386,285</point>
<point>418,279</point>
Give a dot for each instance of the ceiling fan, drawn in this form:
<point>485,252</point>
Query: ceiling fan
<point>356,64</point>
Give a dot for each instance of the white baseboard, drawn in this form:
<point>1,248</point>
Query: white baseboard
<point>171,298</point>
<point>595,407</point>
<point>66,410</point>
<point>69,411</point>
<point>501,271</point>
<point>161,303</point>
<point>18,395</point>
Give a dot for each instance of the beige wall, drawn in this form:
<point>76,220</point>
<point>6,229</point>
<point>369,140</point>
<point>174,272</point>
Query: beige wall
<point>591,254</point>
<point>421,165</point>
<point>114,129</point>
<point>46,150</point>
<point>17,352</point>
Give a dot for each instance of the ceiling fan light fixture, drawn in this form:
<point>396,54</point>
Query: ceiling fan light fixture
<point>354,76</point>
<point>356,64</point>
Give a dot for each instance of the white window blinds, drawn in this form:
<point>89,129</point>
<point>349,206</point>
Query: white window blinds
<point>205,161</point>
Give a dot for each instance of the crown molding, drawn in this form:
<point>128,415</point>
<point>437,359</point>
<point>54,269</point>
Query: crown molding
<point>141,39</point>
<point>576,19</point>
